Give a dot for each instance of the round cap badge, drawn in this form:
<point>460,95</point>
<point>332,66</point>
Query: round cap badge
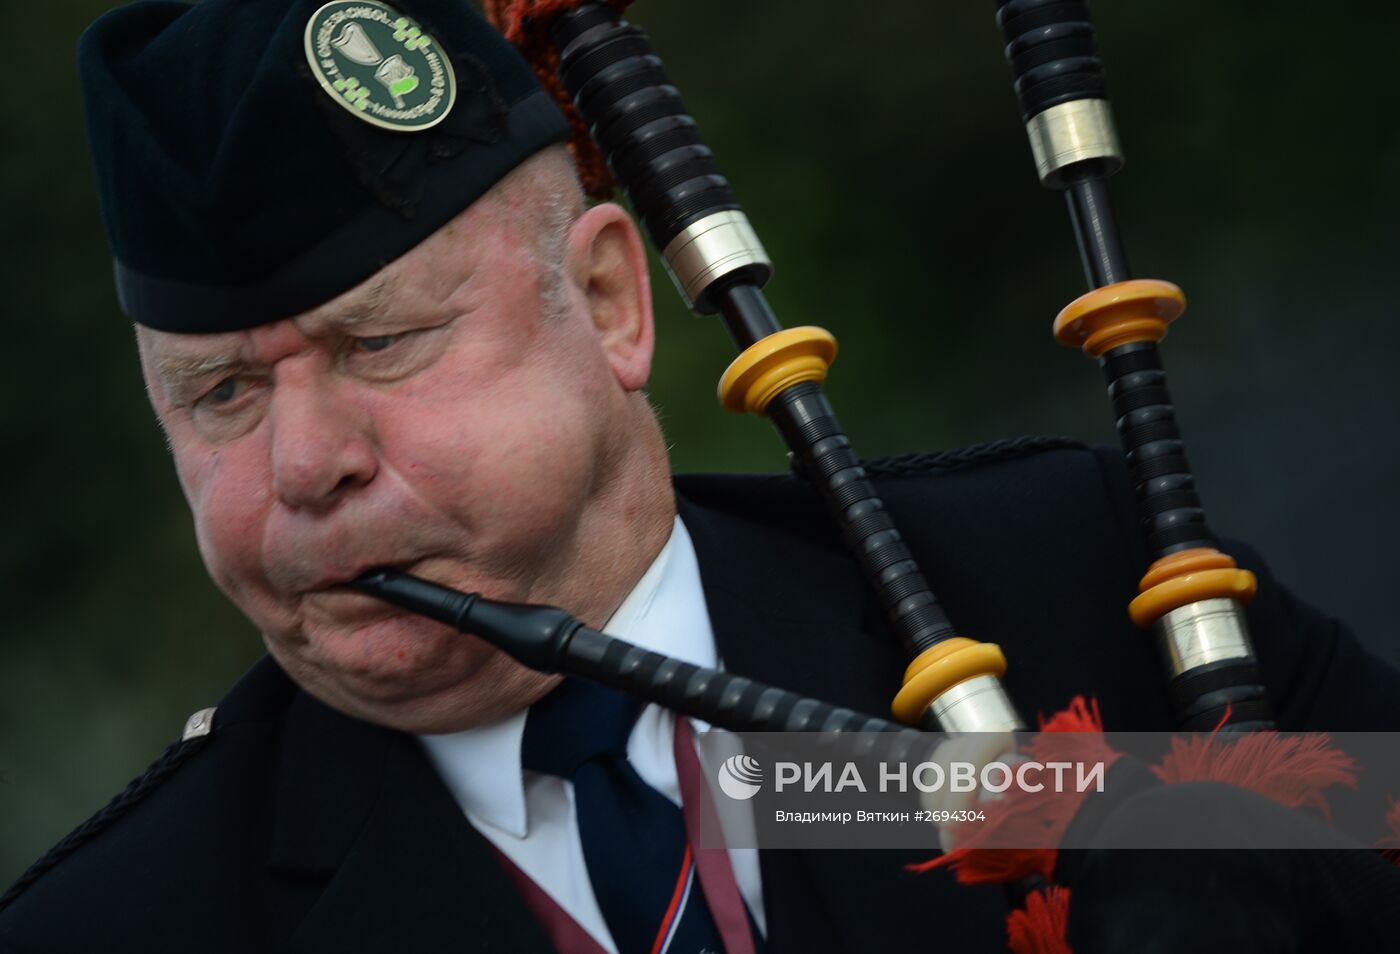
<point>380,65</point>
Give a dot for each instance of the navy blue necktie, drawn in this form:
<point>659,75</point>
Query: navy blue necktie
<point>634,843</point>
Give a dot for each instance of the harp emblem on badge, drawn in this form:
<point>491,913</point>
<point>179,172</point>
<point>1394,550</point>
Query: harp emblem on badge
<point>355,43</point>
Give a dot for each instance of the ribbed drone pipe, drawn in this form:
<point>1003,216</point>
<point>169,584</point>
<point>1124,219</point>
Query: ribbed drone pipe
<point>1193,595</point>
<point>654,149</point>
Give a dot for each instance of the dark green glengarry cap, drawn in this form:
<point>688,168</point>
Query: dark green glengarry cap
<point>256,158</point>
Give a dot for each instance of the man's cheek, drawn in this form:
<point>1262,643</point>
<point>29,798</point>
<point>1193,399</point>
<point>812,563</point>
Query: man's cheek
<point>189,466</point>
<point>229,518</point>
<point>226,556</point>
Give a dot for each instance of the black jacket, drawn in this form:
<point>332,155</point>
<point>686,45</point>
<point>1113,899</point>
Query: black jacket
<point>296,828</point>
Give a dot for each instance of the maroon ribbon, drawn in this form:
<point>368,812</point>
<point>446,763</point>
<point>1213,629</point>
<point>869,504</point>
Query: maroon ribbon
<point>711,865</point>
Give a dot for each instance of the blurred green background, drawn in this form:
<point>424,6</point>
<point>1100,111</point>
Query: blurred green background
<point>879,152</point>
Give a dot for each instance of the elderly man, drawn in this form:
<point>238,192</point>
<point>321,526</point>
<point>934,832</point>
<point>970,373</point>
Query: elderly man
<point>380,328</point>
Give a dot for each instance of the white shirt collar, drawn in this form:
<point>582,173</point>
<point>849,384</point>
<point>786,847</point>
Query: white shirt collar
<point>665,612</point>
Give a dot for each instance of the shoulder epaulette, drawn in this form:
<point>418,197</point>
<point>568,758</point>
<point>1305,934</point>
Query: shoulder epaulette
<point>196,734</point>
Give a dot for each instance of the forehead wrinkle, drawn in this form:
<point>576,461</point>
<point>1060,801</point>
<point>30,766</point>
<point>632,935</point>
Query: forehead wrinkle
<point>176,368</point>
<point>361,308</point>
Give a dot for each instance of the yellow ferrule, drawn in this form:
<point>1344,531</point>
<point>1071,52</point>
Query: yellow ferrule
<point>772,365</point>
<point>940,668</point>
<point>1189,577</point>
<point>1119,314</point>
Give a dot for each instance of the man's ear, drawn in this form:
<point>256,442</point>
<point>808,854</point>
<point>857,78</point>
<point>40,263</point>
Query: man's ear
<point>607,262</point>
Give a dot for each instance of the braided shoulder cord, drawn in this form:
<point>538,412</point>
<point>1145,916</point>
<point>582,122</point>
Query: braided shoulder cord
<point>161,769</point>
<point>1011,448</point>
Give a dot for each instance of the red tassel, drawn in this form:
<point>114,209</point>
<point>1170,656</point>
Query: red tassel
<point>1079,716</point>
<point>1041,927</point>
<point>523,23</point>
<point>992,865</point>
<point>1073,735</point>
<point>1390,846</point>
<point>1291,770</point>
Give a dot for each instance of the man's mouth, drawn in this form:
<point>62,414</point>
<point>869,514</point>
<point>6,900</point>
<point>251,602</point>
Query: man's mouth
<point>340,581</point>
<point>333,598</point>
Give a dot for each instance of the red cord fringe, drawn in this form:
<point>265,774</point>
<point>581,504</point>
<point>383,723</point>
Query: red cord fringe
<point>525,24</point>
<point>1390,846</point>
<point>1073,735</point>
<point>1042,925</point>
<point>1079,716</point>
<point>1291,770</point>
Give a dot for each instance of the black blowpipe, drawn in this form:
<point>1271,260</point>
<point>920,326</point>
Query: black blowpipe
<point>550,640</point>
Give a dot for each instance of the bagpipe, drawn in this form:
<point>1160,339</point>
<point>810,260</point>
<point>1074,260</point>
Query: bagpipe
<point>632,128</point>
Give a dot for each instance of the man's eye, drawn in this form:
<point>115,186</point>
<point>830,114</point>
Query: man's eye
<point>223,392</point>
<point>390,357</point>
<point>376,342</point>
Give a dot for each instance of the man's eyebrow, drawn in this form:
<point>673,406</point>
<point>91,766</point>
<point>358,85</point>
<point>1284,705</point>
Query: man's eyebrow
<point>178,370</point>
<point>365,308</point>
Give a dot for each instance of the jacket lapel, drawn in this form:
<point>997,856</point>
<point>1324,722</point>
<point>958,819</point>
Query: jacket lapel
<point>788,606</point>
<point>361,805</point>
<point>786,602</point>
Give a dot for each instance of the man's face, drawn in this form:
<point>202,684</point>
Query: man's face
<point>435,418</point>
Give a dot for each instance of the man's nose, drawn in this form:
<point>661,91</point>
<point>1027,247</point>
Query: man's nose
<point>322,443</point>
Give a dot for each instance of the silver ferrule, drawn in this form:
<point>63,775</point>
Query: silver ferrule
<point>1073,132</point>
<point>711,248</point>
<point>1201,633</point>
<point>979,704</point>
